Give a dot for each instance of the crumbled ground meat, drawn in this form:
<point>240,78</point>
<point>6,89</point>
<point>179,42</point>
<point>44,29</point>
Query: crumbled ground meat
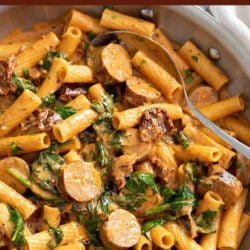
<point>70,91</point>
<point>47,118</point>
<point>6,71</point>
<point>44,119</point>
<point>154,124</point>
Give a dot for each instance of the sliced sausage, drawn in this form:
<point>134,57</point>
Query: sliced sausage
<point>111,64</point>
<point>18,164</point>
<point>120,231</point>
<point>139,92</point>
<point>79,181</point>
<point>203,95</point>
<point>131,143</point>
<point>154,124</point>
<point>122,167</point>
<point>223,183</point>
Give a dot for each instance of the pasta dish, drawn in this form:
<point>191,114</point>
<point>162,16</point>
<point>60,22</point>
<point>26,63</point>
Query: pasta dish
<point>101,151</point>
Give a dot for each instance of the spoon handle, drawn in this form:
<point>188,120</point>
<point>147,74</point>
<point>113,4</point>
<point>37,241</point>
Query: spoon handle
<point>239,146</point>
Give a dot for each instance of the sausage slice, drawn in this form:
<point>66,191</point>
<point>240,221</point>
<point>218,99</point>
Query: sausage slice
<point>120,231</point>
<point>79,181</point>
<point>111,64</point>
<point>18,164</point>
<point>203,96</point>
<point>139,92</point>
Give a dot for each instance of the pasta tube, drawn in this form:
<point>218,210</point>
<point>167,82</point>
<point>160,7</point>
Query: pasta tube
<point>143,244</point>
<point>79,102</point>
<point>230,223</point>
<point>32,55</point>
<point>170,88</point>
<point>161,237</point>
<point>72,155</point>
<point>198,136</point>
<point>242,132</point>
<point>223,108</point>
<point>243,227</point>
<point>24,105</point>
<point>74,124</point>
<point>70,40</point>
<point>39,241</point>
<point>114,20</point>
<point>203,66</point>
<point>52,215</point>
<point>51,83</point>
<point>182,241</point>
<point>76,73</point>
<point>131,117</point>
<point>196,151</point>
<point>10,196</point>
<point>75,246</point>
<point>6,224</point>
<point>84,22</point>
<point>23,144</point>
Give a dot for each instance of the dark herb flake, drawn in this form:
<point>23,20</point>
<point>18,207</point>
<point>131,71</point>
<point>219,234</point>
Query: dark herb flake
<point>15,148</point>
<point>195,58</point>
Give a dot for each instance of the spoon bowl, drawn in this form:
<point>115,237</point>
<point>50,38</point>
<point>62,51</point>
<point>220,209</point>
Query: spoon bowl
<point>133,42</point>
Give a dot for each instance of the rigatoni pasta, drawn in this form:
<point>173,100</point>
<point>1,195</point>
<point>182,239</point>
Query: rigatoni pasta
<point>106,152</point>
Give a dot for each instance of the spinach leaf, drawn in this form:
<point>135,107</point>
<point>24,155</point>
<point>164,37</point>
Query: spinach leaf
<point>48,100</point>
<point>184,197</point>
<point>15,148</point>
<point>102,155</point>
<point>131,202</point>
<point>50,57</point>
<point>181,138</point>
<point>65,111</point>
<point>115,139</point>
<point>57,234</point>
<point>138,182</point>
<point>155,223</point>
<point>167,193</point>
<point>105,202</point>
<point>21,85</point>
<point>17,236</point>
<point>206,221</point>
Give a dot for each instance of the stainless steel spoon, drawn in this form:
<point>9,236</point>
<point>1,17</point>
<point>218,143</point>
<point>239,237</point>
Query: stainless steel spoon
<point>133,42</point>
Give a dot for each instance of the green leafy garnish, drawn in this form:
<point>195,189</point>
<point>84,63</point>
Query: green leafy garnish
<point>17,236</point>
<point>26,72</point>
<point>181,138</point>
<point>140,181</point>
<point>114,17</point>
<point>183,198</point>
<point>105,202</point>
<point>48,100</point>
<point>65,111</point>
<point>50,57</point>
<point>115,139</point>
<point>85,46</point>
<point>148,225</point>
<point>137,184</point>
<point>167,193</point>
<point>131,202</point>
<point>21,85</point>
<point>143,61</point>
<point>206,221</point>
<point>57,234</point>
<point>102,155</point>
<point>15,148</point>
<point>195,58</point>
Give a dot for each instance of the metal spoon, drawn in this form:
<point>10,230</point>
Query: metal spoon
<point>133,42</point>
